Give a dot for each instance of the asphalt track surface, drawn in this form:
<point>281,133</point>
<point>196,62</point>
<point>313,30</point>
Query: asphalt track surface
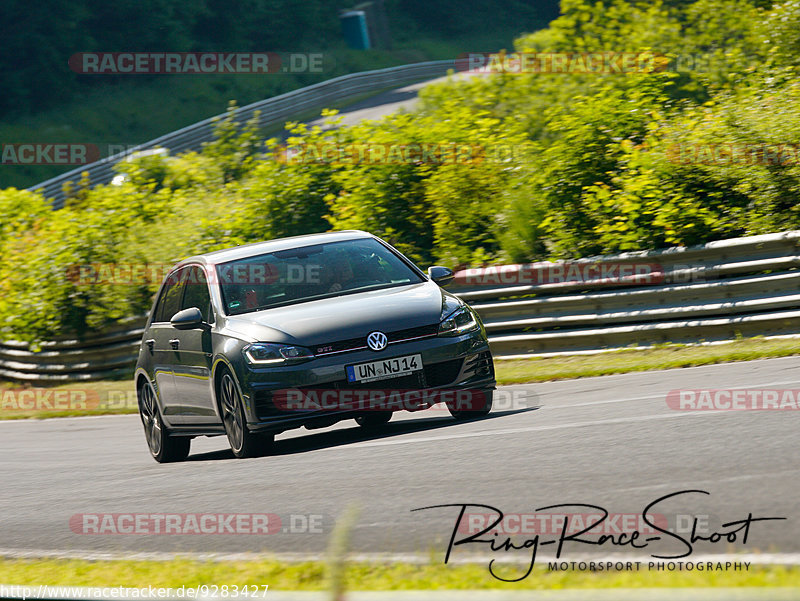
<point>405,98</point>
<point>609,441</point>
<point>382,104</point>
<point>385,103</point>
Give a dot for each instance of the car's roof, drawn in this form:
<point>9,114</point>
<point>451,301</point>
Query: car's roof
<point>260,248</point>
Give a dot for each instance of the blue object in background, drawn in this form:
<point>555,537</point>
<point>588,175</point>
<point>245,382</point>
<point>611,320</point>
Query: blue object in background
<point>354,28</point>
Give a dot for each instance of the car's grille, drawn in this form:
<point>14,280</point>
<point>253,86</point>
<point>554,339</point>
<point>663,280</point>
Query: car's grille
<point>417,332</point>
<point>352,344</point>
<point>442,374</point>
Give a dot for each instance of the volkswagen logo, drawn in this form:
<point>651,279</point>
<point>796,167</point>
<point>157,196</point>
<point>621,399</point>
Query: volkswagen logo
<point>377,341</point>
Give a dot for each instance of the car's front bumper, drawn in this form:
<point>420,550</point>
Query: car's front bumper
<point>449,363</point>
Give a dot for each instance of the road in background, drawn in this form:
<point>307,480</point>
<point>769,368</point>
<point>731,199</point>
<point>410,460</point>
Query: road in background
<point>375,107</point>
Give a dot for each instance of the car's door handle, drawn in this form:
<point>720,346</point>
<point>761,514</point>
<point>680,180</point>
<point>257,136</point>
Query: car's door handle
<point>150,342</point>
<point>175,343</point>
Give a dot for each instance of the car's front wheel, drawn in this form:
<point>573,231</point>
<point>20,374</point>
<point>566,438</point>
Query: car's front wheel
<point>478,405</point>
<point>164,447</point>
<point>243,442</point>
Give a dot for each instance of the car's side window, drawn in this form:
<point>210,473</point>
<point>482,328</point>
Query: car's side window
<point>197,294</point>
<point>170,301</point>
<point>158,310</point>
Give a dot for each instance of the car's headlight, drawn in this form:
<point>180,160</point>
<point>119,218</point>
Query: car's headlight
<point>265,353</point>
<point>459,322</point>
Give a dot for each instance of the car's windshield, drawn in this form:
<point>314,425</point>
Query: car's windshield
<point>310,272</point>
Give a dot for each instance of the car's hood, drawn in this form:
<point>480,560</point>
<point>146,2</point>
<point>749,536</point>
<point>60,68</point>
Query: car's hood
<point>343,317</point>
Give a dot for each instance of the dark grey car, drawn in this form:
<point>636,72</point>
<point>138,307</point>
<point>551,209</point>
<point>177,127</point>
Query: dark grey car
<point>304,331</point>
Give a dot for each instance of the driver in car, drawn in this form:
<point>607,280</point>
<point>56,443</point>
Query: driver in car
<point>342,273</point>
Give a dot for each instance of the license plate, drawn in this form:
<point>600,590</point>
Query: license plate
<point>385,368</point>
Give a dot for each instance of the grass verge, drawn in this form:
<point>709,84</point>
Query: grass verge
<point>564,367</point>
<point>107,397</point>
<point>314,575</point>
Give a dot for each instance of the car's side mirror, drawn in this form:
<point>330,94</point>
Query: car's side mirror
<point>441,275</point>
<point>188,319</point>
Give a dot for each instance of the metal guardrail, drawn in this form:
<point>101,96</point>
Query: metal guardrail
<point>717,291</point>
<point>109,354</point>
<point>273,111</point>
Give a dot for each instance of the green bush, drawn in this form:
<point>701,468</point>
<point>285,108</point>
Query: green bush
<point>558,166</point>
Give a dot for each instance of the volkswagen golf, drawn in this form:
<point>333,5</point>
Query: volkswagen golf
<point>306,331</point>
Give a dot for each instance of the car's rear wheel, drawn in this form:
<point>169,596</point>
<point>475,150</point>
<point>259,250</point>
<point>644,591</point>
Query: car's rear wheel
<point>164,447</point>
<point>243,442</point>
<point>374,419</point>
<point>478,406</point>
